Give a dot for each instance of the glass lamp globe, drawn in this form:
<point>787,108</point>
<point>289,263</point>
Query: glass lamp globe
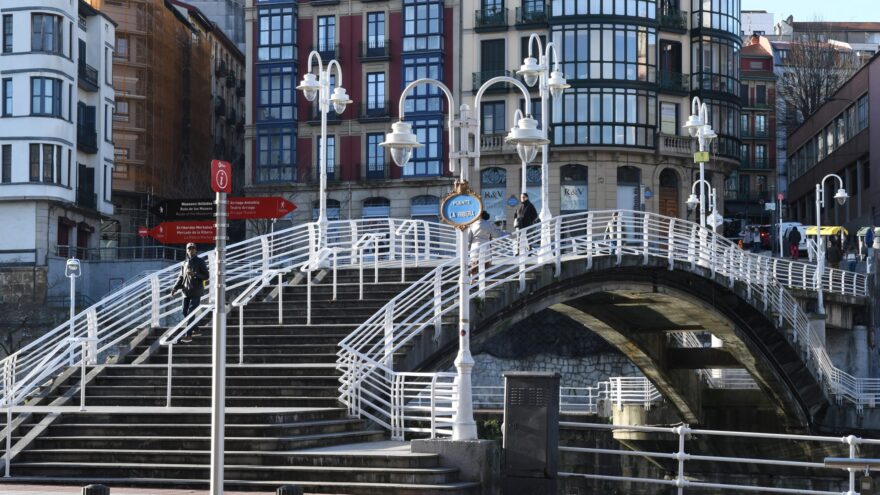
<point>557,84</point>
<point>526,152</point>
<point>841,196</point>
<point>339,99</point>
<point>693,124</point>
<point>530,70</point>
<point>401,141</point>
<point>309,86</point>
<point>692,201</point>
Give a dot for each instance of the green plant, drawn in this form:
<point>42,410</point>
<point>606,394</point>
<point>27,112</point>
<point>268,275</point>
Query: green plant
<point>489,429</point>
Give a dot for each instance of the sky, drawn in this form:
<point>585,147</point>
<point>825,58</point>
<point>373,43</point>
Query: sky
<point>809,10</point>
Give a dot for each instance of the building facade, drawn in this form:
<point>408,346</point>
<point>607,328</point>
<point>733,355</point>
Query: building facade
<point>755,182</point>
<point>228,15</point>
<point>381,47</point>
<point>616,135</point>
<point>839,138</point>
<point>56,137</point>
<point>162,123</point>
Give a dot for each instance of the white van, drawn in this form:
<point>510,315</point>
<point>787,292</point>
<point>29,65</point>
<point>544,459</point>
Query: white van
<point>803,230</point>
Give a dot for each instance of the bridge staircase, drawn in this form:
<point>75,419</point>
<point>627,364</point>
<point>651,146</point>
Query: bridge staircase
<point>284,423</point>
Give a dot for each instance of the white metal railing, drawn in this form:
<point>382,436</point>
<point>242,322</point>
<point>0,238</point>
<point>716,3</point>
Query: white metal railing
<point>802,469</point>
<point>365,357</point>
<point>584,400</point>
<point>116,318</point>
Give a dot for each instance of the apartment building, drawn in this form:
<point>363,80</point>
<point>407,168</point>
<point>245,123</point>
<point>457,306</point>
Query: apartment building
<point>616,135</point>
<point>56,137</point>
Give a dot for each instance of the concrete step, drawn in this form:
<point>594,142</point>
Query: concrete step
<point>170,442</point>
<point>201,347</point>
<point>182,357</point>
<point>232,371</point>
<point>160,380</point>
<point>328,487</point>
<point>236,416</point>
<point>179,390</point>
<point>190,401</point>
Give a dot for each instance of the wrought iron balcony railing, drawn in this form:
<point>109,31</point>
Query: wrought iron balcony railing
<point>533,14</point>
<point>490,18</point>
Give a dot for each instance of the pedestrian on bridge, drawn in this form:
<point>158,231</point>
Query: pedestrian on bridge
<point>482,231</point>
<point>794,241</point>
<point>191,281</point>
<point>525,216</point>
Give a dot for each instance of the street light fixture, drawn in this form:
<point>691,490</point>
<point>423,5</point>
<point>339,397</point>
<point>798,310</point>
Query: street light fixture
<point>693,201</point>
<point>318,87</point>
<point>72,270</point>
<point>698,127</point>
<point>841,197</point>
<point>526,136</point>
<point>553,83</point>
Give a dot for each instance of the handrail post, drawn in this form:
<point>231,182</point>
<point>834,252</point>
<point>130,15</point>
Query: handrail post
<point>438,308</point>
<point>692,247</point>
<point>389,335</point>
<point>361,272</point>
<point>375,260</point>
<point>168,377</point>
<point>403,257</point>
<point>557,254</point>
<point>670,244</point>
<point>590,240</point>
<point>91,345</point>
<point>155,296</point>
<point>241,334</point>
<point>618,226</point>
<point>335,263</point>
<point>392,240</point>
<point>352,225</point>
<point>416,247</point>
<point>82,383</point>
<point>8,440</point>
<point>680,480</point>
<point>280,299</point>
<point>309,296</point>
<point>266,254</point>
<point>646,227</point>
<point>523,245</point>
<point>434,406</point>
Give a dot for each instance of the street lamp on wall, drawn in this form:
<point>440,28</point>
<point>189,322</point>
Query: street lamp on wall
<point>318,87</point>
<point>401,141</point>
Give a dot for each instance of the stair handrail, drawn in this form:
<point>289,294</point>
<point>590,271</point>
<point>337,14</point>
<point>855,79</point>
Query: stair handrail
<point>407,227</point>
<point>366,351</point>
<point>359,247</point>
<point>145,303</point>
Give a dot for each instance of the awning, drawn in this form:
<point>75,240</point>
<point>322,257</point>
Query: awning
<point>864,230</point>
<point>66,222</point>
<point>86,227</point>
<point>827,230</point>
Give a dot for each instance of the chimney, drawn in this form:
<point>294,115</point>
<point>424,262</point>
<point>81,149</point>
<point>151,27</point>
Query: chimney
<point>755,39</point>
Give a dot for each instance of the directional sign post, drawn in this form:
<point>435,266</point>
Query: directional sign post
<point>221,183</point>
<point>267,207</point>
<point>182,232</point>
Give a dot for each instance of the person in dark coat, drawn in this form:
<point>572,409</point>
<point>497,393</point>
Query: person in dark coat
<point>526,214</point>
<point>794,242</point>
<point>193,273</point>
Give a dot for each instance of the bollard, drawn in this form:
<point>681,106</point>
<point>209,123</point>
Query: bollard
<point>95,490</point>
<point>289,490</point>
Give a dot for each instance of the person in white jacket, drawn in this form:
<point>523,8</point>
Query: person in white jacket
<point>482,231</point>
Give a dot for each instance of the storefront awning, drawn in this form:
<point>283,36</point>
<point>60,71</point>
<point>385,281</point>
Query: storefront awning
<point>864,230</point>
<point>827,230</point>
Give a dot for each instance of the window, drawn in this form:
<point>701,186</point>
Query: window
<point>120,113</point>
<point>375,30</point>
<point>425,97</point>
<point>276,94</point>
<point>375,156</point>
<point>332,209</point>
<point>607,51</point>
<point>425,208</point>
<point>573,182</point>
<point>760,156</point>
<point>422,25</point>
<point>761,94</point>
<point>121,48</point>
<point>862,113</point>
<point>376,91</point>
<point>744,94</point>
<point>7,33</point>
<point>107,126</point>
<point>491,60</point>
<point>866,174</point>
<point>45,163</point>
<point>744,125</point>
<point>533,185</point>
<point>331,157</point>
<point>493,189</point>
<point>108,67</point>
<point>45,96</point>
<point>760,125</point>
<point>108,182</point>
<point>277,34</point>
<point>47,33</point>
<point>377,208</point>
<point>723,15</point>
<point>744,154</point>
<point>631,8</point>
<point>669,118</point>
<point>327,34</point>
<point>715,63</point>
<point>605,116</point>
<point>6,174</point>
<point>7,97</point>
<point>536,110</point>
<point>426,160</point>
<point>493,117</point>
<point>524,41</point>
<point>275,152</point>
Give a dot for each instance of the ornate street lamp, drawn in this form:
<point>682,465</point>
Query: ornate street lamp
<point>841,197</point>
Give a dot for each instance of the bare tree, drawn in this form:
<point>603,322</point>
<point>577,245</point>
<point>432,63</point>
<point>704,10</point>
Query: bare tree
<point>813,69</point>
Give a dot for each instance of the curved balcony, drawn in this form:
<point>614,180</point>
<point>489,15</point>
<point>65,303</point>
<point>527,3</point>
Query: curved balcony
<point>490,20</point>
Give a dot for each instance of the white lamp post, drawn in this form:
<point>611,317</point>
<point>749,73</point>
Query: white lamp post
<point>698,126</point>
<point>693,201</point>
<point>319,87</point>
<point>841,197</point>
<point>538,71</point>
<point>402,141</point>
<point>72,270</point>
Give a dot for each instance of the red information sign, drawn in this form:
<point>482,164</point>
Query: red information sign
<point>221,176</point>
<point>780,196</point>
<point>182,232</point>
<point>143,231</point>
<point>260,207</point>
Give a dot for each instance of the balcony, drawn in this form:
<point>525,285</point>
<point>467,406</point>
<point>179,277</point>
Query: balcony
<point>490,20</point>
<point>240,89</point>
<point>219,107</point>
<point>531,16</point>
<point>86,139</point>
<point>327,51</point>
<point>230,80</point>
<point>745,164</point>
<point>673,20</point>
<point>478,78</point>
<point>375,112</point>
<point>221,71</point>
<point>377,171</point>
<point>494,143</point>
<point>753,134</point>
<point>375,50</point>
<point>674,82</point>
<point>315,115</point>
<point>88,77</point>
<point>668,144</point>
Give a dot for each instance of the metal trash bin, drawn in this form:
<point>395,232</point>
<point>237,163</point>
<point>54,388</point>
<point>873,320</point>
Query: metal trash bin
<point>531,433</point>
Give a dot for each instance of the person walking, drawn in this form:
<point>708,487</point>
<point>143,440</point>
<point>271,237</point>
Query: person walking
<point>756,240</point>
<point>193,273</point>
<point>869,248</point>
<point>482,231</point>
<point>794,242</point>
<point>851,259</point>
<point>525,215</point>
